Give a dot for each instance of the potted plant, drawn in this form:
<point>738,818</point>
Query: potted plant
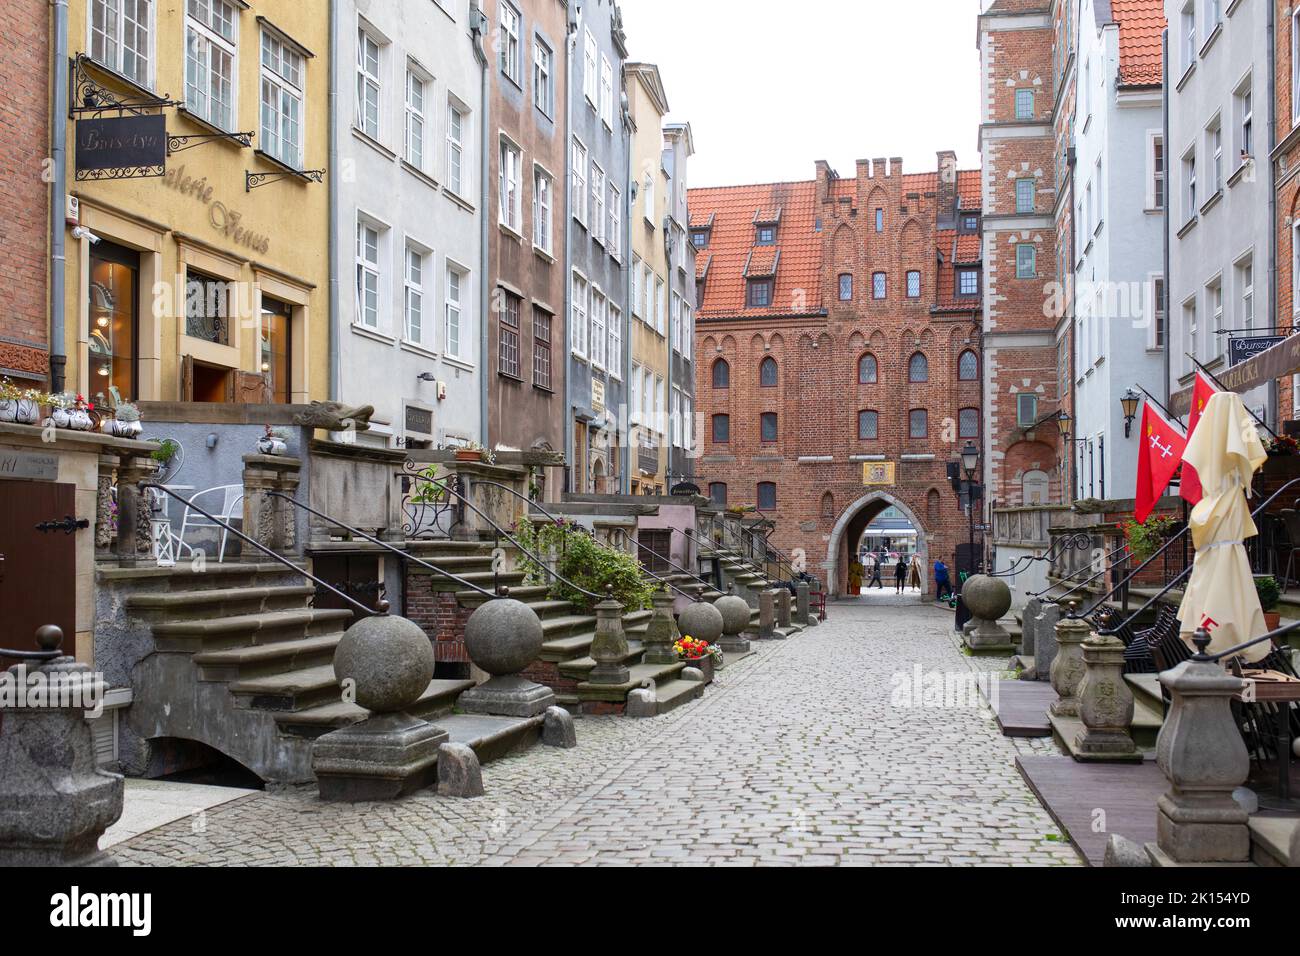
<point>22,406</point>
<point>81,416</point>
<point>1282,446</point>
<point>701,654</point>
<point>1270,594</point>
<point>274,442</point>
<point>125,422</point>
<point>165,452</point>
<point>472,451</point>
<point>1146,538</point>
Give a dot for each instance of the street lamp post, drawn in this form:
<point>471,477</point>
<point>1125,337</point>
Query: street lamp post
<point>970,459</point>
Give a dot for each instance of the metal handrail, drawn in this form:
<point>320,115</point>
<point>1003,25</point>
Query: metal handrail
<point>770,549</point>
<point>1202,640</point>
<point>509,537</point>
<point>1086,581</point>
<point>382,604</point>
<point>674,564</point>
<point>1068,542</point>
<point>384,544</point>
<point>1177,578</point>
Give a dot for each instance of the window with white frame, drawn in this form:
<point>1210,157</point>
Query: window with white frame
<point>648,287</point>
<point>122,37</point>
<point>578,198</point>
<point>414,139</point>
<point>606,92</point>
<point>542,348</point>
<point>590,77</point>
<point>578,318</point>
<point>599,310</point>
<point>368,282</point>
<point>1244,107</point>
<point>543,208</point>
<point>282,100</point>
<point>634,395</point>
<point>456,342</point>
<point>211,41</point>
<point>1214,309</point>
<point>615,364</point>
<point>614,238</point>
<point>1213,15</point>
<point>1188,22</point>
<point>508,40</point>
<point>968,281</point>
<point>368,84</point>
<point>1245,271</point>
<point>457,167</point>
<point>660,424</point>
<point>1189,185</point>
<point>688,422</point>
<point>413,286</point>
<point>1214,150</point>
<point>510,209</point>
<point>675,321</point>
<point>1191,332</point>
<point>675,417</point>
<point>688,331</point>
<point>661,305</point>
<point>543,77</point>
<point>1159,319</point>
<point>648,196</point>
<point>637,286</point>
<point>1156,172</point>
<point>1099,214</point>
<point>597,224</point>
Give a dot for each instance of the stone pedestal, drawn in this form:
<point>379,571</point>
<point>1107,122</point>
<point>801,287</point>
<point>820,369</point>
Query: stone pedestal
<point>987,599</point>
<point>1068,667</point>
<point>1202,754</point>
<point>503,637</point>
<point>383,664</point>
<point>661,633</point>
<point>801,604</point>
<point>609,647</point>
<point>1045,640</point>
<point>735,621</point>
<point>1029,626</point>
<point>782,603</point>
<point>269,520</point>
<point>55,803</point>
<point>1105,702</point>
<point>767,615</point>
<point>134,545</point>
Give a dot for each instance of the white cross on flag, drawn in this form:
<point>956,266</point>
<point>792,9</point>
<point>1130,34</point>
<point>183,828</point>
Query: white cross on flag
<point>1163,442</point>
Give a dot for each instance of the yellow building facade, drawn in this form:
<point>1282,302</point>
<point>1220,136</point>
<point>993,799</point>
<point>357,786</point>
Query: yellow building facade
<point>205,278</point>
<point>648,105</point>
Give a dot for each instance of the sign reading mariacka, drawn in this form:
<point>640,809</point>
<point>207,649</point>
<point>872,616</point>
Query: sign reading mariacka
<point>128,146</point>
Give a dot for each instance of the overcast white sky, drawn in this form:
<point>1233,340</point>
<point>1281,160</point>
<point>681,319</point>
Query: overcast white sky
<point>771,86</point>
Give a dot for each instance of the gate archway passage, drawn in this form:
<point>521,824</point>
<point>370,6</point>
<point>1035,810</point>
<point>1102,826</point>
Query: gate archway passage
<point>841,548</point>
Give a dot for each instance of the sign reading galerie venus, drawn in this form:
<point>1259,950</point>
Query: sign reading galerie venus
<point>227,221</point>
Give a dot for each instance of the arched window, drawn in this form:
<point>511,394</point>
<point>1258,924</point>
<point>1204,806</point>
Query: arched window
<point>721,374</point>
<point>968,366</point>
<point>767,373</point>
<point>767,496</point>
<point>918,369</point>
<point>867,369</point>
<point>868,425</point>
<point>1033,488</point>
<point>828,505</point>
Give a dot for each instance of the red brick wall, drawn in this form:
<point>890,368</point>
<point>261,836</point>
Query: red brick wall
<point>24,138</point>
<point>1288,195</point>
<point>439,614</point>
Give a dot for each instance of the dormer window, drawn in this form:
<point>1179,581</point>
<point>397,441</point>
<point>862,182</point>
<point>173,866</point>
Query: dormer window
<point>700,238</point>
<point>765,235</point>
<point>758,293</point>
<point>970,223</point>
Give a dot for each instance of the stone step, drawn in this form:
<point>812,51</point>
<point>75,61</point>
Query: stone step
<point>210,602</point>
<point>183,576</point>
<point>637,675</point>
<point>438,698</point>
<point>492,738</point>
<point>484,579</point>
<point>441,546</point>
<point>580,667</point>
<point>295,690</point>
<point>1146,692</point>
<point>566,624</point>
<point>1272,840</point>
<point>566,647</point>
<point>456,563</point>
<point>260,660</point>
<point>525,593</point>
<point>243,629</point>
<point>671,694</point>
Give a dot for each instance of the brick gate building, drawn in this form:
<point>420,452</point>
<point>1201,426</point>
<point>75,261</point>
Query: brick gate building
<point>838,353</point>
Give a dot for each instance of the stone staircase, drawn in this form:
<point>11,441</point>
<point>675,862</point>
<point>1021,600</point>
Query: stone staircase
<point>237,659</point>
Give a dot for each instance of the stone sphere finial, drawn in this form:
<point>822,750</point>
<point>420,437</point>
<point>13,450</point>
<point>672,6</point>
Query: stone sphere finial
<point>986,597</point>
<point>49,637</point>
<point>735,613</point>
<point>389,661</point>
<point>702,621</point>
<point>503,636</point>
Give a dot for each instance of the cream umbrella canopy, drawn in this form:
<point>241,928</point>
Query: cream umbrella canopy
<point>1225,450</point>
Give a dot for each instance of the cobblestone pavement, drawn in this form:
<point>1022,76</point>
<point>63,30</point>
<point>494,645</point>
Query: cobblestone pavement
<point>806,752</point>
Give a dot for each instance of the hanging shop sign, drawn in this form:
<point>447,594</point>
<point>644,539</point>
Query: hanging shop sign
<point>1241,349</point>
<point>121,147</point>
<point>1280,359</point>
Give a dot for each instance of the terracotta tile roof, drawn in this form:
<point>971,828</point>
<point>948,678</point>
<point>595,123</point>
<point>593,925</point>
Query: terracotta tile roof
<point>969,190</point>
<point>969,248</point>
<point>798,277</point>
<point>763,261</point>
<point>1140,24</point>
<point>702,265</point>
<point>767,215</point>
<point>701,220</point>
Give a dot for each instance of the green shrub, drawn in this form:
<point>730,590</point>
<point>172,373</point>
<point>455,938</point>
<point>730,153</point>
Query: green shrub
<point>1269,592</point>
<point>1147,538</point>
<point>585,562</point>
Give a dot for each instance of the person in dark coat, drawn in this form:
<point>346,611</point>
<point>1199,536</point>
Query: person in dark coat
<point>900,575</point>
<point>942,586</point>
<point>875,572</point>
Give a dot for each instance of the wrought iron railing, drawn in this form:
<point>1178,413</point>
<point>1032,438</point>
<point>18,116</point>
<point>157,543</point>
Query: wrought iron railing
<point>429,512</point>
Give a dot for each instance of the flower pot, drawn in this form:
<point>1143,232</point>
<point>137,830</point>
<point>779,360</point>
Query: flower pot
<point>468,454</point>
<point>120,429</point>
<point>1272,619</point>
<point>20,411</point>
<point>705,664</point>
<point>79,420</point>
<point>271,446</point>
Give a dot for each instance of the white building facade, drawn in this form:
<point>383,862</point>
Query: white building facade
<point>1118,247</point>
<point>408,249</point>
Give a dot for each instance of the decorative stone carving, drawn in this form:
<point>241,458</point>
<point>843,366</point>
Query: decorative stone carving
<point>503,636</point>
<point>335,416</point>
<point>661,633</point>
<point>134,534</point>
<point>104,530</point>
<point>609,647</point>
<point>1105,701</point>
<point>1068,667</point>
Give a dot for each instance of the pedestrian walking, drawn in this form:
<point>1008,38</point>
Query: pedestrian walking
<point>900,575</point>
<point>875,572</point>
<point>942,586</point>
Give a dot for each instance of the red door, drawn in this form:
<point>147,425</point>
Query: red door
<point>38,569</point>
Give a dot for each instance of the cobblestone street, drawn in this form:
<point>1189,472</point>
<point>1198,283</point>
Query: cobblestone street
<point>795,755</point>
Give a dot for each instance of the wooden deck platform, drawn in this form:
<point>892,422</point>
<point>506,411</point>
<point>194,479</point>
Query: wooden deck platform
<point>1074,792</point>
<point>1022,708</point>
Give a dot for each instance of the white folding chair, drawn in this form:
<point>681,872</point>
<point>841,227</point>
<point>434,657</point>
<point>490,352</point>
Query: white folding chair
<point>231,498</point>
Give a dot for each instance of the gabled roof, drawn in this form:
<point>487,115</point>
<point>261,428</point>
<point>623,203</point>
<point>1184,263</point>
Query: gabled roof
<point>763,261</point>
<point>1141,22</point>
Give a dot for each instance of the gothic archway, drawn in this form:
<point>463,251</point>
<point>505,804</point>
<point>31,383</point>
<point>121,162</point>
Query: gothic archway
<point>848,529</point>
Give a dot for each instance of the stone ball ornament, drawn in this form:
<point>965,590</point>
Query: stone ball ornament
<point>735,613</point>
<point>503,636</point>
<point>986,598</point>
<point>702,621</point>
<point>387,661</point>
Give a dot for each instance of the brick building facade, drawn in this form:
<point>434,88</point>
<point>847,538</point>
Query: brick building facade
<point>24,148</point>
<point>1286,172</point>
<point>838,354</point>
<point>1027,102</point>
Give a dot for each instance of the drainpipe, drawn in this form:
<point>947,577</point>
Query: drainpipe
<point>479,29</point>
<point>625,482</point>
<point>335,362</point>
<point>58,195</point>
<point>1273,396</point>
<point>567,430</point>
<point>1164,72</point>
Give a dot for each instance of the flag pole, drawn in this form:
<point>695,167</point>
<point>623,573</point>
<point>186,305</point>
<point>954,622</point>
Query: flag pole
<point>1224,388</point>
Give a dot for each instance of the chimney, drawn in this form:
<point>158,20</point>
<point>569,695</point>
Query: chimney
<point>946,199</point>
<point>824,176</point>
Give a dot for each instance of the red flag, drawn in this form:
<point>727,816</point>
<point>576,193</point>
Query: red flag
<point>1189,486</point>
<point>1162,450</point>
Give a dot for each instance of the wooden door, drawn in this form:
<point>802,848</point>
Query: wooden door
<point>356,575</point>
<point>38,569</point>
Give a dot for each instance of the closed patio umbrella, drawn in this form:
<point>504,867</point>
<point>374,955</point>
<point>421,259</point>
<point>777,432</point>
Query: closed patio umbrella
<point>1225,450</point>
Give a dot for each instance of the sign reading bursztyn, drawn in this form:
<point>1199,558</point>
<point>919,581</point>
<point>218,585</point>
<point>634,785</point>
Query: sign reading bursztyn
<point>119,147</point>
